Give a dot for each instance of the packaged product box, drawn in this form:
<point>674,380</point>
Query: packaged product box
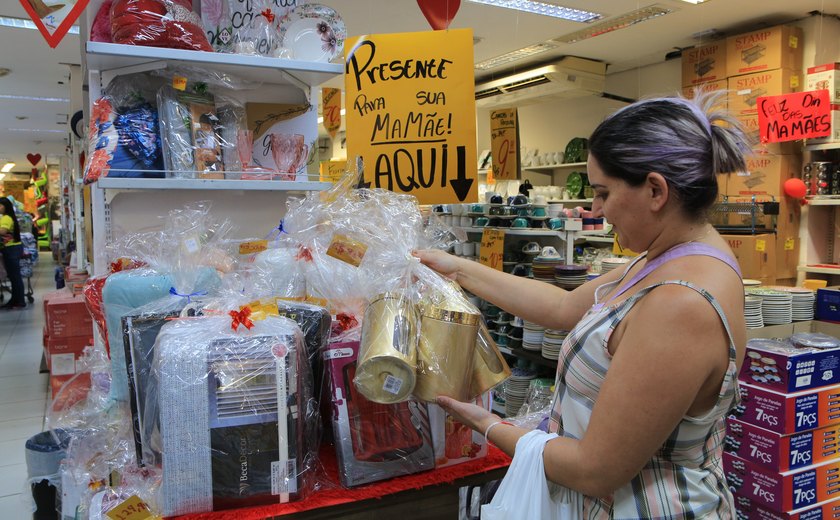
<point>777,47</point>
<point>828,304</point>
<point>750,125</point>
<point>711,86</point>
<point>704,63</point>
<point>766,175</point>
<point>756,255</point>
<point>794,367</point>
<point>456,443</point>
<point>67,315</point>
<point>62,353</point>
<point>778,452</point>
<point>783,491</point>
<point>374,441</point>
<point>788,412</point>
<point>824,77</point>
<point>835,127</point>
<point>745,90</point>
<point>746,509</point>
<point>65,391</point>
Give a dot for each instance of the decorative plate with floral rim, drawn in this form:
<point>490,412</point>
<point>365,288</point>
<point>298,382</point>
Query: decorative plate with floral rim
<point>313,32</point>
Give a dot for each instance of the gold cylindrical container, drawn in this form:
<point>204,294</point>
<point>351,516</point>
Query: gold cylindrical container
<point>446,352</point>
<point>490,367</point>
<point>388,349</point>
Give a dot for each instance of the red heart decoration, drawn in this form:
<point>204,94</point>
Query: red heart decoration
<point>439,13</point>
<point>34,158</point>
<point>58,26</point>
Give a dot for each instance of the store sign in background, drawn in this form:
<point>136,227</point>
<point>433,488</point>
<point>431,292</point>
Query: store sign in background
<point>802,115</point>
<point>410,113</point>
<point>331,103</point>
<point>492,248</point>
<point>504,143</point>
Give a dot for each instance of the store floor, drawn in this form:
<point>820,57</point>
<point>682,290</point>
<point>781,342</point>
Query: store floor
<point>23,390</point>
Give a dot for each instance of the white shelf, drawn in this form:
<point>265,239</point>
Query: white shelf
<point>111,56</point>
<point>125,183</point>
<point>574,201</point>
<point>515,231</point>
<point>555,166</point>
<point>823,202</point>
<point>824,146</point>
<point>819,270</point>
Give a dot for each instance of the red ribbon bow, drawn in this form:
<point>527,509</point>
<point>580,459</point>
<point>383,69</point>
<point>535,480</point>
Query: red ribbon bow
<point>346,322</point>
<point>268,15</point>
<point>304,254</point>
<point>116,266</point>
<point>241,318</point>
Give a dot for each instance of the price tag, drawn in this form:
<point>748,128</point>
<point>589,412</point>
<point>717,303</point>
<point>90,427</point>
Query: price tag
<point>179,83</point>
<point>255,246</point>
<point>504,143</point>
<point>790,244</point>
<point>347,249</point>
<point>132,509</point>
<point>760,245</point>
<point>492,248</point>
<point>622,251</point>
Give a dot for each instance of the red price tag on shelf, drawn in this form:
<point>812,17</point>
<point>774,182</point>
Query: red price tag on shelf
<point>492,248</point>
<point>132,509</point>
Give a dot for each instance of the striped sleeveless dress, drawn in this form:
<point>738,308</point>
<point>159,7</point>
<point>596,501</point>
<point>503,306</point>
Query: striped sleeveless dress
<point>684,479</point>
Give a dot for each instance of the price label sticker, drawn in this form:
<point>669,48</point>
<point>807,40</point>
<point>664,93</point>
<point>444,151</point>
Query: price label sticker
<point>255,246</point>
<point>132,509</point>
<point>790,244</point>
<point>760,245</point>
<point>492,248</point>
<point>179,83</point>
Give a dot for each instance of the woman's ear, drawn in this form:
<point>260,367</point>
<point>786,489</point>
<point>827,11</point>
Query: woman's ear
<point>658,188</point>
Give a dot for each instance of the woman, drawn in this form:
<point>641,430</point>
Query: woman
<point>12,252</point>
<point>649,370</point>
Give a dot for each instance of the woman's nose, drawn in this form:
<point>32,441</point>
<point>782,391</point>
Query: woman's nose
<point>597,208</point>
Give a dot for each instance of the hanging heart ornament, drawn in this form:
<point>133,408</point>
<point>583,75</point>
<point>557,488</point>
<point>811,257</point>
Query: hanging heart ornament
<point>54,17</point>
<point>439,13</point>
<point>34,158</point>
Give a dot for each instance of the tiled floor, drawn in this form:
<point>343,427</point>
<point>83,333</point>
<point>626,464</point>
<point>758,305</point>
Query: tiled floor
<point>23,391</point>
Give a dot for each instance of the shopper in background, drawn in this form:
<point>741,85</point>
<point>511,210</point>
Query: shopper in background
<point>12,252</point>
<point>649,370</point>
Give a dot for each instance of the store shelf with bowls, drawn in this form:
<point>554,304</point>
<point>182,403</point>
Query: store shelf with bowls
<point>536,357</point>
<point>821,146</point>
<point>824,200</point>
<point>820,223</point>
<point>819,269</point>
<point>124,183</point>
<point>551,167</point>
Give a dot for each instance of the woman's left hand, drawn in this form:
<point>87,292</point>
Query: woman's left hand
<point>470,414</point>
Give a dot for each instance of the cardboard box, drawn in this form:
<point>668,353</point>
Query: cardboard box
<point>455,443</point>
<point>778,452</point>
<point>748,510</point>
<point>795,368</point>
<point>756,255</point>
<point>828,304</point>
<point>824,77</point>
<point>835,127</point>
<point>67,315</point>
<point>704,63</point>
<point>788,412</point>
<point>750,125</point>
<point>787,255</point>
<point>745,90</point>
<point>65,391</point>
<point>766,175</point>
<point>785,331</point>
<point>63,352</point>
<point>777,47</point>
<point>783,491</point>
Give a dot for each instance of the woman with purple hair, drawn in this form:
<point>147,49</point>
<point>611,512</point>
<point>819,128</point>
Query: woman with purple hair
<point>649,370</point>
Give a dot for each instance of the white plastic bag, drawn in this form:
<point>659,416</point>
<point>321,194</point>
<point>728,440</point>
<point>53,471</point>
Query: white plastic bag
<point>525,492</point>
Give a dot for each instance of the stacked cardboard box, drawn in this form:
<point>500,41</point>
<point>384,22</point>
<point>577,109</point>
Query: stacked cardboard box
<point>767,62</point>
<point>782,448</point>
<point>68,330</point>
<point>827,77</point>
<point>74,279</point>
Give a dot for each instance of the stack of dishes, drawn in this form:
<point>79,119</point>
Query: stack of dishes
<point>532,337</point>
<point>516,389</point>
<point>515,333</point>
<point>750,283</point>
<point>552,342</point>
<point>752,312</point>
<point>776,306</point>
<point>570,277</point>
<point>543,268</point>
<point>608,264</point>
<point>802,308</point>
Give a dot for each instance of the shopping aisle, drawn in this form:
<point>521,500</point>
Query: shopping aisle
<point>23,391</point>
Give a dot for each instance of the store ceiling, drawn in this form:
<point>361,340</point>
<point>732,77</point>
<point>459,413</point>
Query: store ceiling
<point>37,69</point>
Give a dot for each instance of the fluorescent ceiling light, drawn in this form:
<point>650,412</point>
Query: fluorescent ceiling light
<point>34,130</point>
<point>614,24</point>
<point>22,23</point>
<point>542,8</point>
<point>2,176</point>
<point>515,55</point>
<point>35,98</point>
<point>7,167</point>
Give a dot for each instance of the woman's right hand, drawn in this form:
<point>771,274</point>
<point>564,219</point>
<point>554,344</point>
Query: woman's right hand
<point>444,263</point>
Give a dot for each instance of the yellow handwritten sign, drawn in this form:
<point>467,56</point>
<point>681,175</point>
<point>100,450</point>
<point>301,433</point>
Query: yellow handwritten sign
<point>623,251</point>
<point>504,143</point>
<point>331,103</point>
<point>411,113</point>
<point>132,509</point>
<point>332,171</point>
<point>492,248</point>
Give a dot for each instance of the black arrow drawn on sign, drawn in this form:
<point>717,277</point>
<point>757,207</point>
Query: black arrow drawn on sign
<point>461,185</point>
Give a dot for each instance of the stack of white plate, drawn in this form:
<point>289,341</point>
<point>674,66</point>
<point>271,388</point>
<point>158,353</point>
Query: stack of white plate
<point>776,306</point>
<point>516,389</point>
<point>552,342</point>
<point>752,312</point>
<point>532,337</point>
<point>543,268</point>
<point>803,302</point>
<point>608,264</point>
<point>751,283</point>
